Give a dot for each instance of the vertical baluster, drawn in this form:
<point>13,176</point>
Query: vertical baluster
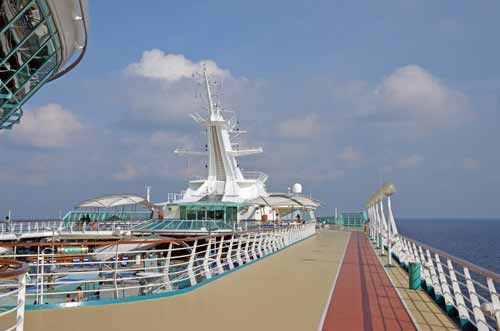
<point>438,292</point>
<point>448,298</point>
<point>206,260</point>
<point>463,313</point>
<point>280,239</point>
<point>166,270</point>
<point>21,299</point>
<point>263,244</point>
<point>247,248</point>
<point>425,267</point>
<point>218,260</point>
<point>238,251</point>
<point>259,245</point>
<point>229,253</point>
<point>192,278</point>
<point>476,306</point>
<point>494,301</point>
<point>254,247</point>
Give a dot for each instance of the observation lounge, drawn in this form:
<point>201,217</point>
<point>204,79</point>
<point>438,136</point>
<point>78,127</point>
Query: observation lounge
<point>40,40</point>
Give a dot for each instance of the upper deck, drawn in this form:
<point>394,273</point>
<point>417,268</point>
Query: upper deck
<point>332,280</point>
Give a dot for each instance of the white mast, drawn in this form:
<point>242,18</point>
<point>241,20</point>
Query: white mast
<point>224,175</point>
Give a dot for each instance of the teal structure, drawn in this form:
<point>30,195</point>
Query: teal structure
<point>31,52</point>
<point>346,219</point>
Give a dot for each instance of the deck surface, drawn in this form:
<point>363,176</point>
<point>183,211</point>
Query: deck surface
<point>364,297</point>
<point>290,290</point>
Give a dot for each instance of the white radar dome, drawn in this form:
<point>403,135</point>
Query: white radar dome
<point>297,188</point>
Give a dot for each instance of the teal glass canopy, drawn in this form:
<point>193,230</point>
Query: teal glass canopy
<point>30,53</point>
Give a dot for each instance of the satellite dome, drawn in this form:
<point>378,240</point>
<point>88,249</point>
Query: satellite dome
<point>297,188</point>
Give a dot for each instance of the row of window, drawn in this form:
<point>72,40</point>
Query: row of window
<point>29,51</point>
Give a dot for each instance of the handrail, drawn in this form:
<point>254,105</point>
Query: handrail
<point>471,266</point>
<point>14,268</point>
<point>82,53</point>
<point>118,273</point>
<point>124,242</point>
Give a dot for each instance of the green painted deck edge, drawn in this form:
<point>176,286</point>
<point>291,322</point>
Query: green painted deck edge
<point>463,324</point>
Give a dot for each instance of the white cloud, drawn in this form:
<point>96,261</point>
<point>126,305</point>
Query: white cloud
<point>161,89</point>
<point>127,172</point>
<point>471,164</point>
<point>300,127</point>
<point>351,155</point>
<point>410,100</point>
<point>157,64</point>
<point>50,126</point>
<point>413,93</point>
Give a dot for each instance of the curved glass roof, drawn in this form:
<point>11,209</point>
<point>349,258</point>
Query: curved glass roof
<point>287,201</point>
<point>182,226</point>
<point>110,201</point>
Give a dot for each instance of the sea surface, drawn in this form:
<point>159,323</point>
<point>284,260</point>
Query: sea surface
<point>475,240</point>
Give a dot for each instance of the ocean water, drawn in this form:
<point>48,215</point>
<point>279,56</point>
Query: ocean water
<point>475,240</point>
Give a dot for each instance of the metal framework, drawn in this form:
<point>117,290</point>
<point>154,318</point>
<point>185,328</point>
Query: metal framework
<point>30,54</point>
<point>67,274</point>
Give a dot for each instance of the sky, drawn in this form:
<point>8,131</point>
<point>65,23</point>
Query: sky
<point>341,95</point>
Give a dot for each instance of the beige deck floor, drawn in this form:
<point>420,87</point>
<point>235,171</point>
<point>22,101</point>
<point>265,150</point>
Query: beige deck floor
<point>427,314</point>
<point>286,291</point>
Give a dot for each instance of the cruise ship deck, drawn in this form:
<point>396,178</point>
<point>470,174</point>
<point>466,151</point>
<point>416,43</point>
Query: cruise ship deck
<point>333,280</point>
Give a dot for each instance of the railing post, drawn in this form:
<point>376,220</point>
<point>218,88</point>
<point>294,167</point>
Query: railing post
<point>494,301</point>
<point>166,278</point>
<point>229,253</point>
<point>247,247</point>
<point>192,277</point>
<point>115,273</point>
<point>21,300</point>
<point>259,246</point>
<point>265,242</point>
<point>280,238</point>
<point>438,292</point>
<point>448,298</point>
<point>476,306</point>
<point>273,241</point>
<point>463,313</point>
<point>425,267</point>
<point>238,250</point>
<point>42,276</point>
<point>219,256</point>
<point>206,266</point>
<point>389,234</point>
<point>254,247</point>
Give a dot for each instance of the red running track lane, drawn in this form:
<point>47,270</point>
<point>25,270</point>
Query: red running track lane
<point>364,297</point>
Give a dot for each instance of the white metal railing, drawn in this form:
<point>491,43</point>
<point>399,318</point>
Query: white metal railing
<point>12,290</point>
<point>67,273</point>
<point>173,197</point>
<point>467,291</point>
<point>255,175</point>
<point>19,228</point>
<point>460,285</point>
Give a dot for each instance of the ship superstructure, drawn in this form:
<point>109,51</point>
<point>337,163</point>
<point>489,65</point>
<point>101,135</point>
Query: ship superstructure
<point>225,178</point>
<point>40,40</point>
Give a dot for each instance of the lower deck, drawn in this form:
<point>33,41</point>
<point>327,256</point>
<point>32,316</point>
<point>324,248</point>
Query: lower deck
<point>330,281</point>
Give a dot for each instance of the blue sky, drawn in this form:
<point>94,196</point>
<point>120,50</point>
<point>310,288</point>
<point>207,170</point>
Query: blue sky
<point>341,95</point>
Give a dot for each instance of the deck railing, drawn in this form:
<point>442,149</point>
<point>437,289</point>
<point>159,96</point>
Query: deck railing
<point>12,289</point>
<point>47,227</point>
<point>62,273</point>
<point>467,291</point>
